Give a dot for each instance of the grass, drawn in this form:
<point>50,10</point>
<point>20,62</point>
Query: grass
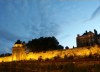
<point>50,66</point>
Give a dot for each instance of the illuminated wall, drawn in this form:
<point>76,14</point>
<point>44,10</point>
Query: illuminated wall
<point>76,52</point>
<point>6,59</point>
<point>18,52</point>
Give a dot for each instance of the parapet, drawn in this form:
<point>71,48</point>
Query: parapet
<point>18,45</point>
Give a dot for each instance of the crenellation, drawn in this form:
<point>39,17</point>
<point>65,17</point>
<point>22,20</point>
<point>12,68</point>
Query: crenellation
<point>18,51</point>
<point>88,39</point>
<point>87,44</point>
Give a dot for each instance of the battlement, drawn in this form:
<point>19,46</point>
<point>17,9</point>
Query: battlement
<point>88,39</point>
<point>87,44</point>
<point>18,45</point>
<point>18,51</point>
<point>76,53</point>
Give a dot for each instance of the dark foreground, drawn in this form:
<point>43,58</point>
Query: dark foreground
<point>51,66</point>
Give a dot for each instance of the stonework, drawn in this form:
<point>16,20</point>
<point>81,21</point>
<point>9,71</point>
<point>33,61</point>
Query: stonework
<point>18,52</point>
<point>88,39</point>
<point>87,44</point>
<point>76,52</point>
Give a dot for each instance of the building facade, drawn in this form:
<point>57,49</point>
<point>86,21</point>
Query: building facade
<point>18,51</point>
<point>88,39</point>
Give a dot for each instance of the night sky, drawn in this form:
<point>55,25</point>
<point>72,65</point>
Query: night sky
<point>64,19</point>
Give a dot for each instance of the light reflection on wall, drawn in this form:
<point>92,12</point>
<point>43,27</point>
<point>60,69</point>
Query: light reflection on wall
<point>76,52</point>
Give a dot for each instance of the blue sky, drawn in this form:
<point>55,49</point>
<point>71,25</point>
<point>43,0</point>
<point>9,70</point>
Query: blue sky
<point>64,19</point>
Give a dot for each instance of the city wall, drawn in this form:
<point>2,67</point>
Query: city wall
<point>75,52</point>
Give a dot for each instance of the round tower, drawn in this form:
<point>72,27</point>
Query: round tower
<point>18,51</point>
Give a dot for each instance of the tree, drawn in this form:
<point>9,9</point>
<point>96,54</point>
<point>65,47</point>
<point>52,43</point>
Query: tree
<point>6,54</point>
<point>43,44</point>
<point>73,47</point>
<point>66,47</point>
<point>18,42</point>
<point>95,32</point>
<point>60,47</point>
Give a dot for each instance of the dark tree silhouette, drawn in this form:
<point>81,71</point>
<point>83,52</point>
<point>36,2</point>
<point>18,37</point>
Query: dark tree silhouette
<point>73,47</point>
<point>60,47</point>
<point>18,42</point>
<point>3,55</point>
<point>43,44</point>
<point>66,47</point>
<point>95,32</point>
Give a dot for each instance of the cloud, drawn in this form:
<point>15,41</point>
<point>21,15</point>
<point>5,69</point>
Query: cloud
<point>7,40</point>
<point>26,20</point>
<point>7,35</point>
<point>95,14</point>
<point>45,27</point>
<point>5,46</point>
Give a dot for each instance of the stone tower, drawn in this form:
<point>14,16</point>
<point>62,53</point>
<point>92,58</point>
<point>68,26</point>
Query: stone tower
<point>87,39</point>
<point>18,51</point>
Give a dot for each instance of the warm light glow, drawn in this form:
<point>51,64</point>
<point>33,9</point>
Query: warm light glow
<point>18,45</point>
<point>76,52</point>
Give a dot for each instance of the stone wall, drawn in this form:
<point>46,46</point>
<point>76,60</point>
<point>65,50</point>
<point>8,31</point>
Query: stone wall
<point>76,52</point>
